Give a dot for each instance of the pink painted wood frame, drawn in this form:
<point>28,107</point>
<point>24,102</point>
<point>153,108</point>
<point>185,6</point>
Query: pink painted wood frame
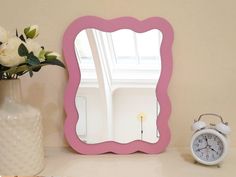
<point>74,81</point>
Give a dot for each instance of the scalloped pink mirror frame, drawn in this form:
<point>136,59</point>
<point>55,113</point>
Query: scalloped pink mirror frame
<point>74,80</point>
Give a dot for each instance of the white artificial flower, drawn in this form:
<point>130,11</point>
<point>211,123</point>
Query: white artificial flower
<point>32,31</point>
<point>9,53</point>
<point>33,46</point>
<point>3,47</point>
<point>3,35</point>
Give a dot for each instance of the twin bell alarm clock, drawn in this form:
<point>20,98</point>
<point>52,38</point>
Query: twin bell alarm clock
<point>209,144</point>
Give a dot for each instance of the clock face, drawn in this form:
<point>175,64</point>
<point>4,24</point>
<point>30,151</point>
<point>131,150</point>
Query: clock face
<point>208,147</point>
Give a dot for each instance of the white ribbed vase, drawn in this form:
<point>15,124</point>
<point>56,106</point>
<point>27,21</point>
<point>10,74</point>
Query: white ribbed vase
<point>21,139</point>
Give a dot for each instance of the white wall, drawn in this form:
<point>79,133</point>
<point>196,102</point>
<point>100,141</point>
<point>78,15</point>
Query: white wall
<point>127,104</point>
<point>96,115</point>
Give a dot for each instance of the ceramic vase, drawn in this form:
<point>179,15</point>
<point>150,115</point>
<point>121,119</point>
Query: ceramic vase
<point>21,139</point>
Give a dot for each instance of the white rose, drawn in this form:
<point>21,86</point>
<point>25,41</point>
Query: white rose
<point>33,46</point>
<point>32,31</point>
<point>9,53</point>
<point>3,47</point>
<point>3,35</point>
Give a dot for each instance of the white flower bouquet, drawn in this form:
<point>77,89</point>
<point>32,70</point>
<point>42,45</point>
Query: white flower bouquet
<point>21,54</point>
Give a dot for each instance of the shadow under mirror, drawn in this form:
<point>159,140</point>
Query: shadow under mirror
<point>116,98</point>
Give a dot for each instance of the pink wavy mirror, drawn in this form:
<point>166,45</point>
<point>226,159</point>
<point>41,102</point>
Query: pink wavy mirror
<point>116,98</point>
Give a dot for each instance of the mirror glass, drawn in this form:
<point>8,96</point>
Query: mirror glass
<point>116,99</point>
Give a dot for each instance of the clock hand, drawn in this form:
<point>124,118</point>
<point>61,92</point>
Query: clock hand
<point>212,148</point>
<point>202,148</point>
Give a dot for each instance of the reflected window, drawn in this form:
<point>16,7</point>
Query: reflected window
<point>128,56</point>
<point>124,45</point>
<point>83,49</point>
<point>136,48</point>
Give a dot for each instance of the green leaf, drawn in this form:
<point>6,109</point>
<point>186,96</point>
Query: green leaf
<point>26,30</point>
<point>36,69</point>
<point>11,71</point>
<point>50,57</point>
<point>22,69</point>
<point>41,54</point>
<point>17,33</point>
<point>31,34</point>
<point>22,38</point>
<point>32,59</point>
<point>54,62</point>
<point>31,73</point>
<point>3,68</point>
<point>22,50</point>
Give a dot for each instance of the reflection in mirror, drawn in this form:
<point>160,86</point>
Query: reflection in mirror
<point>116,98</point>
